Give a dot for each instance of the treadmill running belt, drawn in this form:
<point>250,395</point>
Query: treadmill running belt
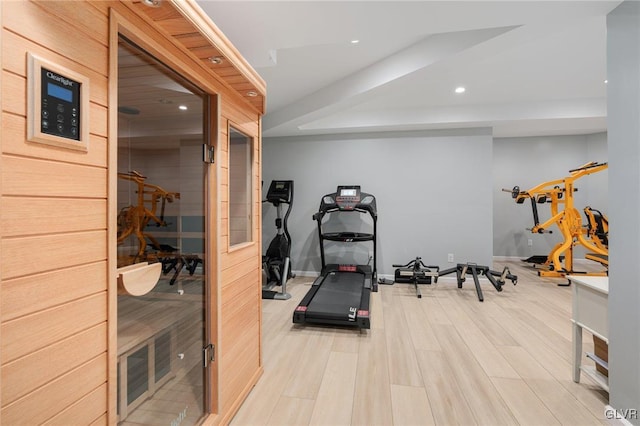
<point>338,297</point>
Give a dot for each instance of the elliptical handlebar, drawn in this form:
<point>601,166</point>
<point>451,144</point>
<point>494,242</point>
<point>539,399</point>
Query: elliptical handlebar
<point>285,220</point>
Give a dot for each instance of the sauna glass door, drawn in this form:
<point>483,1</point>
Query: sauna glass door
<point>161,244</point>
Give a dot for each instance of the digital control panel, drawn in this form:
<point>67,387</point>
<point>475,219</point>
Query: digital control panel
<point>60,105</point>
<point>57,104</point>
<point>347,197</point>
<point>280,191</point>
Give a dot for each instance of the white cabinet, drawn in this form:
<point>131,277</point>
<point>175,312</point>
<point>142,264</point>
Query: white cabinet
<point>590,305</point>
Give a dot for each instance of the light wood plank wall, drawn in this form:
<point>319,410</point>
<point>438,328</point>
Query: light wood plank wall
<point>240,271</point>
<point>55,285</point>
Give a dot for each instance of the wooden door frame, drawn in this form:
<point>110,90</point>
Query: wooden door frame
<point>161,46</point>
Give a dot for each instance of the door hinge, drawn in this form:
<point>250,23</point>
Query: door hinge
<point>208,355</point>
<point>208,153</point>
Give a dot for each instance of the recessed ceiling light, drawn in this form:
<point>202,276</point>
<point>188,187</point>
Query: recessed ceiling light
<point>216,59</point>
<point>183,107</point>
<point>152,3</point>
<point>606,81</point>
<point>252,93</point>
<point>355,41</point>
<point>460,89</point>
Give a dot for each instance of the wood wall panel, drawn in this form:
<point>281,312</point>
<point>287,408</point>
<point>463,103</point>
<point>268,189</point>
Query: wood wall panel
<point>237,294</point>
<point>239,368</point>
<point>224,177</point>
<point>97,119</point>
<point>31,177</point>
<point>14,55</point>
<point>48,400</point>
<point>33,293</point>
<point>89,20</point>
<point>224,229</point>
<point>19,377</point>
<point>32,216</point>
<point>35,23</point>
<point>100,421</point>
<point>87,410</point>
<point>230,274</point>
<point>231,259</point>
<point>14,93</point>
<point>240,119</point>
<point>15,127</point>
<point>32,255</point>
<point>27,334</point>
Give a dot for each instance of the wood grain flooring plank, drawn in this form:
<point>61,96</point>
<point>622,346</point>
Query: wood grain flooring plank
<point>448,405</point>
<point>291,412</point>
<point>523,402</point>
<point>403,367</point>
<point>480,393</point>
<point>310,368</point>
<point>372,398</point>
<point>418,324</point>
<point>564,406</point>
<point>410,406</point>
<point>471,331</point>
<point>334,404</point>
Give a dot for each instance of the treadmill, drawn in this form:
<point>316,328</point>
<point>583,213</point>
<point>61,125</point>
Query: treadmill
<point>340,295</point>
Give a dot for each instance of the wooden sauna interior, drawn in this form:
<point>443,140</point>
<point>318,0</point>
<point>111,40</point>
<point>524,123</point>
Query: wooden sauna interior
<point>130,283</point>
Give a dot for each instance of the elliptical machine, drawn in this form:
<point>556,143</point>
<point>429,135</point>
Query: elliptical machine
<point>276,263</point>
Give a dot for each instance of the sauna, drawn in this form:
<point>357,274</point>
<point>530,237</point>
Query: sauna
<point>130,286</point>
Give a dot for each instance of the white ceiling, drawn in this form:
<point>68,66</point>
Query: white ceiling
<point>529,67</point>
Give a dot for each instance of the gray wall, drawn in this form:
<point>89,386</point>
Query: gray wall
<point>623,105</point>
<point>433,188</point>
<point>528,162</point>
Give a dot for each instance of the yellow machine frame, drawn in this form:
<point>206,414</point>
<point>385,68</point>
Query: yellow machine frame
<point>133,219</point>
<point>560,192</point>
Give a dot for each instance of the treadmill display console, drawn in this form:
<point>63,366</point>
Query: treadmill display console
<point>348,197</point>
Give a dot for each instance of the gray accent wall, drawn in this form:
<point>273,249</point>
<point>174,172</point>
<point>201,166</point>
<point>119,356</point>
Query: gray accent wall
<point>623,105</point>
<point>528,162</point>
<point>433,188</point>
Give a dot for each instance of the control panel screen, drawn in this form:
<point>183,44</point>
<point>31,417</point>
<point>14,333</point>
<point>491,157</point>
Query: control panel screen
<point>59,92</point>
<point>348,192</point>
<point>60,105</point>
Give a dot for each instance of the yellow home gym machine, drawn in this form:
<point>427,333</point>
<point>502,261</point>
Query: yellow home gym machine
<point>592,237</point>
<point>134,219</point>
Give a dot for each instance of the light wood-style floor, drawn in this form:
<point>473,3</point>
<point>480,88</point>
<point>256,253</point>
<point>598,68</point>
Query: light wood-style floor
<point>444,359</point>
